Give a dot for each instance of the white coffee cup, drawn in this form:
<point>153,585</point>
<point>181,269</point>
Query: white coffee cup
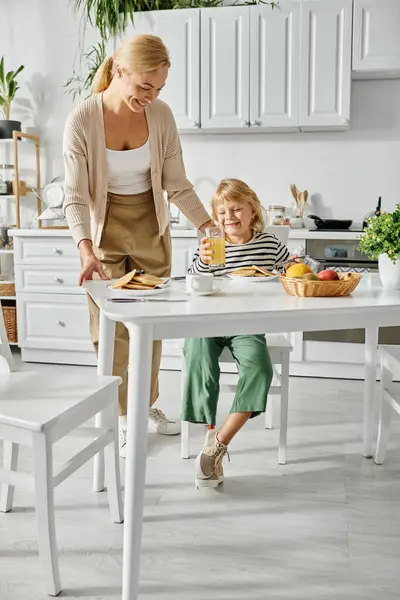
<point>199,283</point>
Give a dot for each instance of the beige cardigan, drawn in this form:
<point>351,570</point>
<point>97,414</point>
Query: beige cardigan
<point>84,149</point>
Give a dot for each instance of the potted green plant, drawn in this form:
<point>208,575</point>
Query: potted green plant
<point>8,89</point>
<point>381,241</point>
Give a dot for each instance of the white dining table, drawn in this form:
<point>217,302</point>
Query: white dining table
<point>238,309</point>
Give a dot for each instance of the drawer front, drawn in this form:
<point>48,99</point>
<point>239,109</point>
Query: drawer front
<point>48,279</point>
<point>36,250</point>
<point>49,321</point>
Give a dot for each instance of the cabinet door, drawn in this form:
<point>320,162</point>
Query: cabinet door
<point>180,31</point>
<point>225,62</point>
<point>325,77</point>
<point>376,38</point>
<point>275,66</point>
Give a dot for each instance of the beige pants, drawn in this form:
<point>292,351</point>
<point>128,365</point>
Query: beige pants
<point>131,240</point>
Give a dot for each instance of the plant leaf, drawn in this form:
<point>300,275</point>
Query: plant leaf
<point>2,70</point>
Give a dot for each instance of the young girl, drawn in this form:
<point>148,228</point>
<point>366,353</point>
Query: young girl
<point>238,210</point>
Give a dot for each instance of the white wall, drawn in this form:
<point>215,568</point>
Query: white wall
<point>344,172</point>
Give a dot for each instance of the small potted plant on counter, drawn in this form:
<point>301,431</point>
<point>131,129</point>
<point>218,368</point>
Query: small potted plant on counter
<point>381,241</point>
<point>8,89</point>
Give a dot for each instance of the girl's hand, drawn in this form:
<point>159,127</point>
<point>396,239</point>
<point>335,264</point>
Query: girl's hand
<point>206,251</point>
<point>292,261</point>
<point>89,263</point>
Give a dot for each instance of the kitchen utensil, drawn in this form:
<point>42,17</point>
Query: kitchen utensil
<point>146,299</point>
<point>375,213</point>
<point>330,223</point>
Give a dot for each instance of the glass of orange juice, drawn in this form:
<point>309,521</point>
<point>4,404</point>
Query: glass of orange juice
<point>216,237</point>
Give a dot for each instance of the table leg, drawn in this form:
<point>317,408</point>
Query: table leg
<point>140,358</point>
<point>104,367</point>
<point>371,352</point>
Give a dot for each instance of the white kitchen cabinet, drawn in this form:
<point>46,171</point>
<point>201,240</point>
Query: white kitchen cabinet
<point>180,31</point>
<point>275,66</point>
<point>225,61</point>
<point>325,75</point>
<point>376,39</point>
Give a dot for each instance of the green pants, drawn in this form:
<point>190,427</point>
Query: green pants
<point>200,396</point>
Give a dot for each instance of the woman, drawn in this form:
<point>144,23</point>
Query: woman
<point>121,152</point>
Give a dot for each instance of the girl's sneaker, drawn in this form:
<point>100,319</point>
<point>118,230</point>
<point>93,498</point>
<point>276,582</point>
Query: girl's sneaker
<point>209,471</point>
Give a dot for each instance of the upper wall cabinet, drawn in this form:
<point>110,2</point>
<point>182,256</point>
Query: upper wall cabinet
<point>325,64</point>
<point>376,39</point>
<point>225,62</point>
<point>257,68</point>
<point>180,30</point>
<point>275,66</point>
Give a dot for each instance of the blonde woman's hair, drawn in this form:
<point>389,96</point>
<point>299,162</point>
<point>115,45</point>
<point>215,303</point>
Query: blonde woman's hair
<point>138,54</point>
<point>236,189</point>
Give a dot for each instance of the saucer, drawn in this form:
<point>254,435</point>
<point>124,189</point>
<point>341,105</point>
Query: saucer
<point>209,293</point>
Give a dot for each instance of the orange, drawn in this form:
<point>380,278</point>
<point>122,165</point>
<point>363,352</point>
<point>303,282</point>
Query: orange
<point>297,270</point>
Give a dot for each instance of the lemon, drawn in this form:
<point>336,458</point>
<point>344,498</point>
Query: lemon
<point>297,270</point>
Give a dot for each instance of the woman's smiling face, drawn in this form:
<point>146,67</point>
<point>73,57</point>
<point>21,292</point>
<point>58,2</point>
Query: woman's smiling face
<point>140,89</point>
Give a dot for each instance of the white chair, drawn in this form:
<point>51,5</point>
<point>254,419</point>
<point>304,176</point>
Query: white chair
<point>37,410</point>
<point>390,366</point>
<point>279,349</point>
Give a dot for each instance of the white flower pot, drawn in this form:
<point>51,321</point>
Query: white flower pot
<point>389,272</point>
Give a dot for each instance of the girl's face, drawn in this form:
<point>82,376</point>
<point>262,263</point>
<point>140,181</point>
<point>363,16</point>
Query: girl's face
<point>236,217</point>
<point>138,90</point>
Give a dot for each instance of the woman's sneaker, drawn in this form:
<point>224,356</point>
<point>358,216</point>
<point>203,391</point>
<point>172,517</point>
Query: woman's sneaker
<point>158,423</point>
<point>209,471</point>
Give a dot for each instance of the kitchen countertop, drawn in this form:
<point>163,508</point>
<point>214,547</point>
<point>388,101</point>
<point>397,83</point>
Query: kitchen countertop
<point>294,234</point>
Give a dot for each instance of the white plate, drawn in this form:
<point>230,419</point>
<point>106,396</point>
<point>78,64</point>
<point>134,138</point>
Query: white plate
<point>136,293</point>
<point>210,293</point>
<point>241,279</point>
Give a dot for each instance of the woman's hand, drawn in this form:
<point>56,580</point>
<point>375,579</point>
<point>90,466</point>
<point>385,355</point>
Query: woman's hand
<point>89,263</point>
<point>209,223</point>
<point>206,251</point>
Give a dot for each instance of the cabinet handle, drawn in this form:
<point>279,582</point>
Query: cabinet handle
<point>195,124</point>
<point>58,280</point>
<point>255,123</point>
<point>61,323</point>
<point>56,251</point>
<point>245,123</point>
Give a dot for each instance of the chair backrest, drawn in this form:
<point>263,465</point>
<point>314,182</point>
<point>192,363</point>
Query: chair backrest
<point>6,359</point>
<point>280,231</point>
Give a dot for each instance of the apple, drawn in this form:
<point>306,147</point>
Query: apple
<point>328,275</point>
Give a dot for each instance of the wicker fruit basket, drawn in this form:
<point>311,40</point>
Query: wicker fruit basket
<point>346,284</point>
<point>10,321</point>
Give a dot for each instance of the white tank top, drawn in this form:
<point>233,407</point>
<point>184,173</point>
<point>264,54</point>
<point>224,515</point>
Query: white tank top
<point>129,170</point>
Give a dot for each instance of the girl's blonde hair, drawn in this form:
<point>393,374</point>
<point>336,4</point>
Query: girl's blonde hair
<point>138,54</point>
<point>235,189</point>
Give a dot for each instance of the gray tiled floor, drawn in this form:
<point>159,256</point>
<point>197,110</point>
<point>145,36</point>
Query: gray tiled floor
<point>325,526</point>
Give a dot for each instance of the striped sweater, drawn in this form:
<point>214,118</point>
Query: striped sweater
<point>264,250</point>
<point>86,176</point>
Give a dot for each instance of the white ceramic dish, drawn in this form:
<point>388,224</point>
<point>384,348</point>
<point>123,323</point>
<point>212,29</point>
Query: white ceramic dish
<point>136,293</point>
<point>240,279</point>
<point>209,293</point>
